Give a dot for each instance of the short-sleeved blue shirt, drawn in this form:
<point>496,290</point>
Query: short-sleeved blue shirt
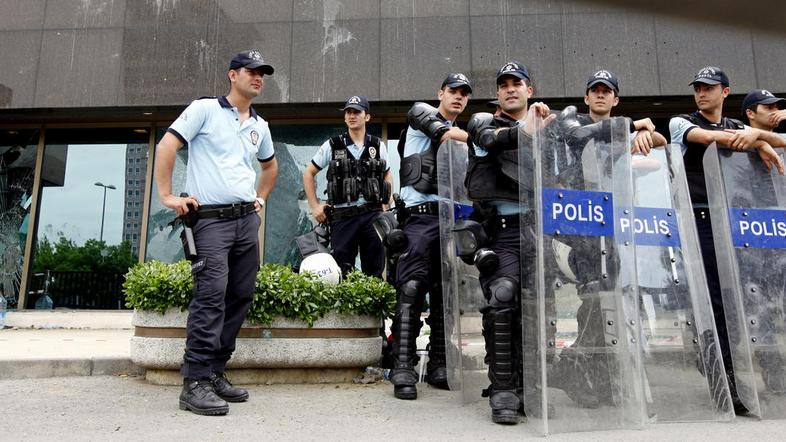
<point>416,143</point>
<point>323,156</point>
<point>221,150</point>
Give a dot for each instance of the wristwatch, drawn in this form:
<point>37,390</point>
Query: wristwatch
<point>261,201</point>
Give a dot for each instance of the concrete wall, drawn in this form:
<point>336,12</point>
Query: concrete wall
<point>92,53</point>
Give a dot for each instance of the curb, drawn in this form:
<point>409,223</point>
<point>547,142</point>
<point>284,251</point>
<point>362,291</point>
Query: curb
<point>48,368</point>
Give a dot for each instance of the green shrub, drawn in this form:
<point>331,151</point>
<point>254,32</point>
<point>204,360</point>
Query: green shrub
<point>157,286</point>
<point>279,292</point>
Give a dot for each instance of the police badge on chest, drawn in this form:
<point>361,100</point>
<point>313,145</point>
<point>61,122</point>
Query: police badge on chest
<point>372,152</point>
<point>254,137</point>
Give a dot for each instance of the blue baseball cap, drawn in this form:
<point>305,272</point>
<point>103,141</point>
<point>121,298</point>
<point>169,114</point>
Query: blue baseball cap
<point>759,96</point>
<point>604,77</point>
<point>515,69</point>
<point>250,59</point>
<point>710,75</point>
<point>357,102</point>
<point>457,80</point>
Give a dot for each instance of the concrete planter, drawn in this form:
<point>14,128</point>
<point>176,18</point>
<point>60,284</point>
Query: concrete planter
<point>288,351</point>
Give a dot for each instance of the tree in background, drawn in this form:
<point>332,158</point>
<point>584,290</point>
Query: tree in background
<point>93,256</point>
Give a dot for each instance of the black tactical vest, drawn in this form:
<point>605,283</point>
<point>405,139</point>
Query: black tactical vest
<point>348,178</point>
<point>694,156</point>
<point>419,170</point>
<point>495,176</point>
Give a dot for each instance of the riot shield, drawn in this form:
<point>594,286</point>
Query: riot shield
<point>461,292</point>
<point>683,372</point>
<point>580,324</point>
<point>748,214</point>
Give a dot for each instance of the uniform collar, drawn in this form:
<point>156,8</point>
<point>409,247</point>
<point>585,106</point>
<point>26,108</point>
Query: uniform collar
<point>439,115</point>
<point>701,116</point>
<point>508,118</point>
<point>349,142</point>
<point>222,100</point>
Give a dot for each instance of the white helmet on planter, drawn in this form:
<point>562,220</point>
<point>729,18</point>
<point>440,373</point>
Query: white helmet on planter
<point>323,266</point>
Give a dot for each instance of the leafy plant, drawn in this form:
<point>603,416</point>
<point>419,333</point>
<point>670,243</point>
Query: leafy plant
<point>157,286</point>
<point>279,292</point>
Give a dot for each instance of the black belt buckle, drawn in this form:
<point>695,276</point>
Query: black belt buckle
<point>236,211</point>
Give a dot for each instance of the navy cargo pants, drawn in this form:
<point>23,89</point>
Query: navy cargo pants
<point>357,232</point>
<point>224,277</point>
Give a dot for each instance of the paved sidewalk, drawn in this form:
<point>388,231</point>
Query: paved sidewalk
<point>39,344</point>
<point>112,408</point>
<point>55,385</point>
<point>30,353</point>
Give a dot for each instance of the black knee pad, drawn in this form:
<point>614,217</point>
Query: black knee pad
<point>410,292</point>
<point>502,292</point>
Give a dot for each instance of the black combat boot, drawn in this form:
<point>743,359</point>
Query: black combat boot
<point>406,326</point>
<point>198,397</point>
<point>503,396</point>
<point>436,372</point>
<point>225,390</point>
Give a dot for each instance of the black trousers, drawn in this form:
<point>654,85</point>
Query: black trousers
<point>421,261</point>
<point>347,236</point>
<point>707,244</point>
<point>224,278</point>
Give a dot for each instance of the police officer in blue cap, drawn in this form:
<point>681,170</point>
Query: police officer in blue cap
<point>418,270</point>
<point>493,186</point>
<point>359,186</point>
<point>763,110</point>
<point>224,136</point>
<point>695,132</point>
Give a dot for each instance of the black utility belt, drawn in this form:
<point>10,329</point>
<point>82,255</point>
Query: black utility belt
<point>225,211</point>
<point>429,208</point>
<point>341,213</point>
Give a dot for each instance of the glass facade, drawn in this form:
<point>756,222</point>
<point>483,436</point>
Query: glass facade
<point>87,232</point>
<point>17,169</point>
<point>91,204</point>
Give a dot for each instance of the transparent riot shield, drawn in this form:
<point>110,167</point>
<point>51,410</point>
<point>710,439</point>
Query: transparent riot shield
<point>748,214</point>
<point>581,336</point>
<point>461,292</point>
<point>683,372</point>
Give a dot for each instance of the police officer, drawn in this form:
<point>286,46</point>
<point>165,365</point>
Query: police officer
<point>493,185</point>
<point>418,270</point>
<point>762,110</point>
<point>359,185</point>
<point>695,132</point>
<point>224,135</point>
<point>601,96</point>
<point>587,380</point>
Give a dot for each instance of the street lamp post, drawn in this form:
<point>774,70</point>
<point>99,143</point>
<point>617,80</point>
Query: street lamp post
<point>103,207</point>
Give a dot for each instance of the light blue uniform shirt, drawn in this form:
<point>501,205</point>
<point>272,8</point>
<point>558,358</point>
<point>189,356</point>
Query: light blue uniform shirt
<point>503,207</point>
<point>323,156</point>
<point>221,150</point>
<point>416,143</point>
<point>678,128</point>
